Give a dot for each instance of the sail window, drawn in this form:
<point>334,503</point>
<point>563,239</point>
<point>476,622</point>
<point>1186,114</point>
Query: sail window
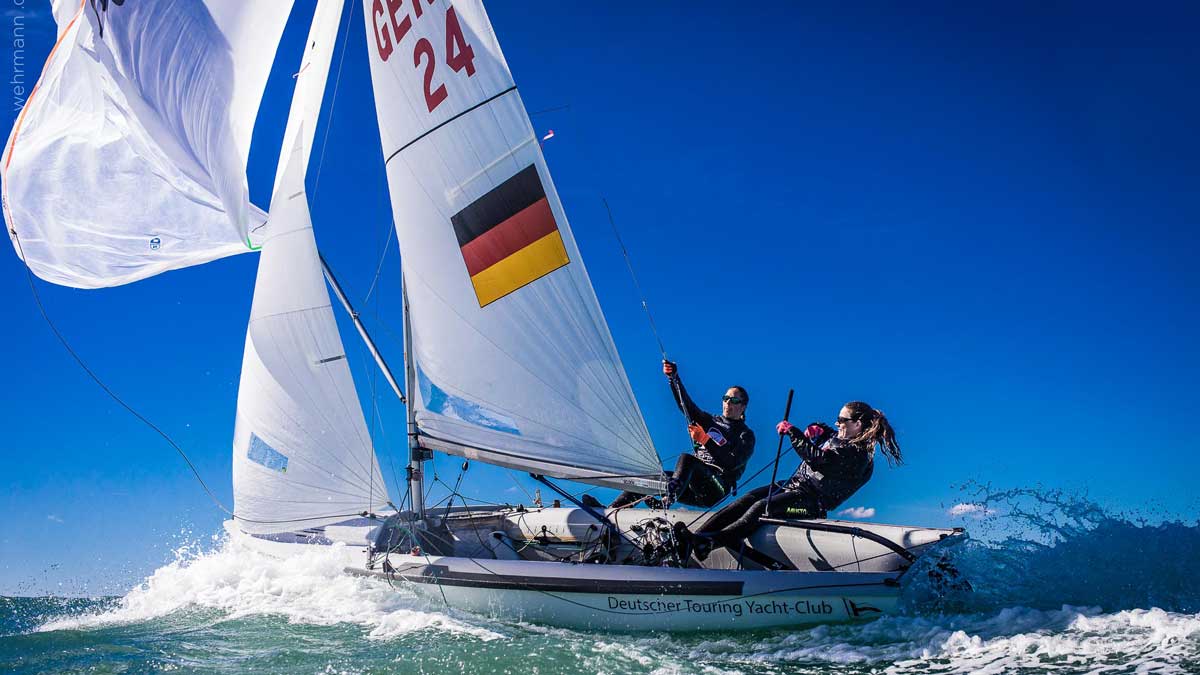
<point>439,402</point>
<point>261,453</point>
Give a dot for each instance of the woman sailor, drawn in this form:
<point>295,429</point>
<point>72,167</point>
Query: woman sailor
<point>835,466</point>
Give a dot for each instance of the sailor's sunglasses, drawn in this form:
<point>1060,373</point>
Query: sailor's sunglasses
<point>736,400</point>
<point>847,420</point>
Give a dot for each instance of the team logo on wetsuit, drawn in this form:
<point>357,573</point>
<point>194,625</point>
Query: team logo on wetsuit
<point>715,434</point>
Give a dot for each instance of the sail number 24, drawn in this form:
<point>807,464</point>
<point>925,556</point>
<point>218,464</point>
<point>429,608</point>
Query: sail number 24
<point>393,24</point>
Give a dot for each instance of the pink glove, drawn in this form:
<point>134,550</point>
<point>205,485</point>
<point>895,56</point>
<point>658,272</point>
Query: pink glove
<point>818,432</point>
<point>784,427</point>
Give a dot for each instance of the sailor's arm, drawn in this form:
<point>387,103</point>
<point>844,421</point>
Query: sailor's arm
<point>679,393</point>
<point>807,442</point>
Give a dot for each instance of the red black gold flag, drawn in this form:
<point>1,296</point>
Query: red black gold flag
<point>508,237</point>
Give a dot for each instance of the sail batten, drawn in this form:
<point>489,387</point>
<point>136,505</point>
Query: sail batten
<point>513,358</point>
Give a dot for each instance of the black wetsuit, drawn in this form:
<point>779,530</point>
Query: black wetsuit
<point>828,476</point>
<point>711,472</point>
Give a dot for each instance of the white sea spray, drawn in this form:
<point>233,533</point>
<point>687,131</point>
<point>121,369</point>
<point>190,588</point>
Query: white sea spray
<point>311,588</point>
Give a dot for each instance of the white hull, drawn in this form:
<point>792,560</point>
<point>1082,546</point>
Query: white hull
<point>644,598</point>
<point>631,597</point>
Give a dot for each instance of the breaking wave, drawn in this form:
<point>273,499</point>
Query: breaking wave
<point>1043,549</point>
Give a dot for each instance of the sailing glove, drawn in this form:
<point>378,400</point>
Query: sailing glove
<point>784,427</point>
<point>669,368</point>
<point>818,432</point>
<point>698,434</point>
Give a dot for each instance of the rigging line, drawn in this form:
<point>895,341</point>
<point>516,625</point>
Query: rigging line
<point>566,106</point>
<point>371,445</point>
<point>518,484</point>
<point>379,269</point>
<point>95,378</point>
<point>642,295</point>
<point>388,443</point>
<point>333,101</point>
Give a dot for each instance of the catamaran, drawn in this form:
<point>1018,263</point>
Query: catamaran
<point>508,358</point>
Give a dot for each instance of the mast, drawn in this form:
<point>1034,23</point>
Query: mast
<point>416,454</point>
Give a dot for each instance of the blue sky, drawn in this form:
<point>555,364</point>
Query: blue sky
<point>981,220</point>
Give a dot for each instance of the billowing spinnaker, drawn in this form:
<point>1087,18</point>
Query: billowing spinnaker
<point>515,363</point>
<point>129,157</point>
<point>302,456</point>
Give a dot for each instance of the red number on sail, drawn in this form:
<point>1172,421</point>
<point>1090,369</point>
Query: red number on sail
<point>465,57</point>
<point>433,97</point>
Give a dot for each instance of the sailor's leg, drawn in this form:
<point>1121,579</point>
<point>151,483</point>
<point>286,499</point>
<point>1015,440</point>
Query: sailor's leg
<point>704,487</point>
<point>734,511</point>
<point>685,467</point>
<point>784,503</point>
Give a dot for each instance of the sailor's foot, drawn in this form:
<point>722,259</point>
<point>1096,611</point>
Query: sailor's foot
<point>701,547</point>
<point>683,542</point>
<point>590,502</point>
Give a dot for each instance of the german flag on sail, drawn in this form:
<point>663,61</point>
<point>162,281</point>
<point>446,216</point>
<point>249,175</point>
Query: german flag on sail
<point>508,237</point>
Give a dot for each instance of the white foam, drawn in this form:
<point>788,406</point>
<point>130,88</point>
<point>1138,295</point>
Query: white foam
<point>311,588</point>
<point>1071,638</point>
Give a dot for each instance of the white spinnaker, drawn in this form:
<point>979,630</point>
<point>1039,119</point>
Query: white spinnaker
<point>532,378</point>
<point>302,456</point>
<point>129,157</point>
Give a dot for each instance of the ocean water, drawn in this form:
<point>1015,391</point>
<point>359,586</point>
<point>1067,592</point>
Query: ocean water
<point>1059,586</point>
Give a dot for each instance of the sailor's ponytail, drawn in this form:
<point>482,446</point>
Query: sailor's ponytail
<point>877,431</point>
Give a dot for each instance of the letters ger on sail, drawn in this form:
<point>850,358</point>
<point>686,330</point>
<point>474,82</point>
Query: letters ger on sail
<point>129,157</point>
<point>514,359</point>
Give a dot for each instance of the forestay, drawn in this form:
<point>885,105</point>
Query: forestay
<point>515,363</point>
<point>129,157</point>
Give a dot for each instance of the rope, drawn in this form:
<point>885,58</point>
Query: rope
<point>95,378</point>
<point>636,285</point>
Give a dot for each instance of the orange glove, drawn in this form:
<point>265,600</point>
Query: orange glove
<point>669,368</point>
<point>698,434</point>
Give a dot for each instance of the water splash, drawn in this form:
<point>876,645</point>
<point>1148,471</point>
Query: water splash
<point>1043,549</point>
<point>237,582</point>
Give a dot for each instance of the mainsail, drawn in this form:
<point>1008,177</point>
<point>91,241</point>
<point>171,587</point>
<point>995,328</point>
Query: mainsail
<point>150,104</point>
<point>514,361</point>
